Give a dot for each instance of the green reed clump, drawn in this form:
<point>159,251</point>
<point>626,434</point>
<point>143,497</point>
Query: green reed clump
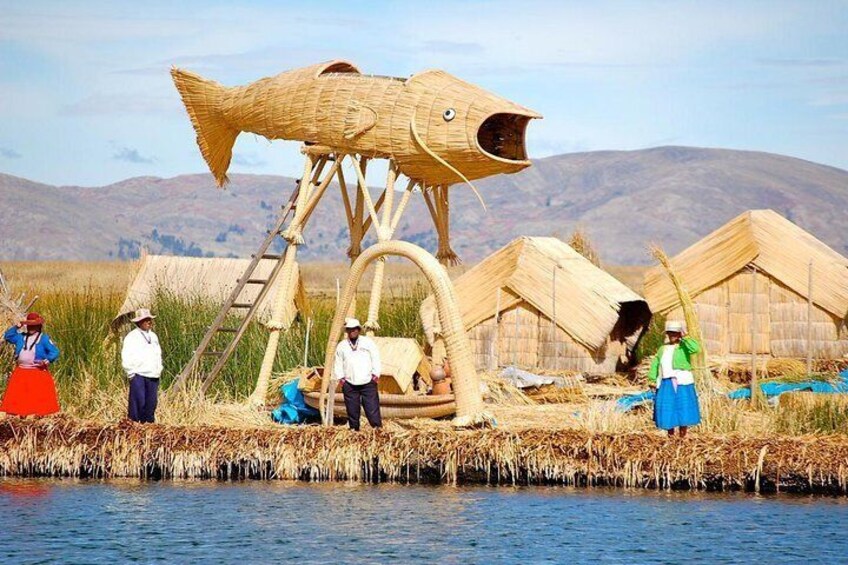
<point>90,364</point>
<point>804,413</point>
<point>652,340</point>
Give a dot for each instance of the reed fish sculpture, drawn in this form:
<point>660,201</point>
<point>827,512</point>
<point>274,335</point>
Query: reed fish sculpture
<point>438,129</point>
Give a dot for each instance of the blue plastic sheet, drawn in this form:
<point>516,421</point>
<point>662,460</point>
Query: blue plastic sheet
<point>293,410</point>
<point>776,389</point>
<point>626,403</point>
<point>629,402</point>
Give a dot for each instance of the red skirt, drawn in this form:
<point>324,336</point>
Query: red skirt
<point>30,392</point>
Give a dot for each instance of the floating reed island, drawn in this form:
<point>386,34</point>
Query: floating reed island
<point>64,447</point>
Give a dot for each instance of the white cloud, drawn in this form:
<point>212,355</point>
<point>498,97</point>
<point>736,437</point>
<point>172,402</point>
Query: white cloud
<point>132,155</point>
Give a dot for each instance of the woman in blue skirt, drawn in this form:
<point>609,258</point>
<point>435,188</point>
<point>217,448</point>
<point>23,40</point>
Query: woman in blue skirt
<point>676,402</point>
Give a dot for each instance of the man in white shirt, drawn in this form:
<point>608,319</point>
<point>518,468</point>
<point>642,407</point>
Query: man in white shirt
<point>357,365</point>
<point>141,357</point>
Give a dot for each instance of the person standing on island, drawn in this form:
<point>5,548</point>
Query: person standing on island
<point>31,390</point>
<point>357,365</point>
<point>676,402</point>
<point>141,357</point>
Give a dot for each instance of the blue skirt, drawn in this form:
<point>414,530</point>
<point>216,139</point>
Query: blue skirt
<point>674,409</point>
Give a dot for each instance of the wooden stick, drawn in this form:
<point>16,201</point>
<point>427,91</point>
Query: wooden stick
<point>318,192</point>
<point>498,327</point>
<point>389,202</point>
<point>755,384</point>
<point>517,339</point>
<point>306,345</point>
<point>402,205</point>
<point>810,319</point>
<point>345,199</point>
<point>555,333</point>
<point>366,225</point>
<point>363,188</point>
<point>318,169</point>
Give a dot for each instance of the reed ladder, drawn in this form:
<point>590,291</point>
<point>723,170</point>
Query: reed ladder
<point>235,303</point>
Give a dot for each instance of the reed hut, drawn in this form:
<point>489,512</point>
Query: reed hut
<point>401,359</point>
<point>538,304</point>
<point>761,285</point>
<point>197,278</point>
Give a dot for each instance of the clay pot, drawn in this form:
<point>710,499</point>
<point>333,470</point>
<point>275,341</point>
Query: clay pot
<point>442,386</point>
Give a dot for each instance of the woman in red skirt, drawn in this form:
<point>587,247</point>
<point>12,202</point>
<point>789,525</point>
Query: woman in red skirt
<point>31,390</point>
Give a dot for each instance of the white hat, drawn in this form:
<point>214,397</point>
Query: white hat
<point>675,326</point>
<point>352,323</point>
<point>142,314</point>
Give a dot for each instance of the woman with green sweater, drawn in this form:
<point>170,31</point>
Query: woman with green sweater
<point>676,402</point>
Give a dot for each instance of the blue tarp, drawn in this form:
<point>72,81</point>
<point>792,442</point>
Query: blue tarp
<point>293,410</point>
<point>776,389</point>
<point>631,401</point>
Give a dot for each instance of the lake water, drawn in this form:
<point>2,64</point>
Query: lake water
<point>260,522</point>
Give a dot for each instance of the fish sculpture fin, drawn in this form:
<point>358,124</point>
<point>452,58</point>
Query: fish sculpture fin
<point>359,119</point>
<point>444,163</point>
<point>203,100</point>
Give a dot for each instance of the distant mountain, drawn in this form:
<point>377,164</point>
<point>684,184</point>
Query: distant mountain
<point>623,200</point>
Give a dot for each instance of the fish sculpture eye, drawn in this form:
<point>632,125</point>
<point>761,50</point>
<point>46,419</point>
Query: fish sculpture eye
<point>449,114</point>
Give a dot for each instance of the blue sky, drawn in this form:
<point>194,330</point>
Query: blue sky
<point>86,98</point>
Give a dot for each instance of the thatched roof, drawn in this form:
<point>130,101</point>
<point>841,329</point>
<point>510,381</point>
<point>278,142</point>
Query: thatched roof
<point>210,279</point>
<point>586,299</point>
<point>401,358</point>
<point>771,242</point>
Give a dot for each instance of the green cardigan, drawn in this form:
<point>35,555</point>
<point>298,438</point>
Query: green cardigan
<point>681,360</point>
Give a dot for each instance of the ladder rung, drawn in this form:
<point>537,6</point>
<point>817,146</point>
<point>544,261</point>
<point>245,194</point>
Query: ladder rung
<point>272,256</point>
<point>257,281</point>
<point>215,353</point>
<point>228,330</point>
<point>242,305</point>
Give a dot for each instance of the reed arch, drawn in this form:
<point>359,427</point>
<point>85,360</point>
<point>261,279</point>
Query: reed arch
<point>466,383</point>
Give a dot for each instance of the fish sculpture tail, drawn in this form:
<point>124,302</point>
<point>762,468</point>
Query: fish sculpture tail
<point>203,100</point>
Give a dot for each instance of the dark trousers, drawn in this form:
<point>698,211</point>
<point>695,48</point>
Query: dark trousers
<point>357,396</point>
<point>144,395</point>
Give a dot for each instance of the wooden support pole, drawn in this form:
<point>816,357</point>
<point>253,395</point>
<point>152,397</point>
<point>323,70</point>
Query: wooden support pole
<point>756,393</point>
<point>554,327</point>
<point>285,292</point>
<point>366,225</point>
<point>517,340</point>
<point>497,328</point>
<point>810,319</point>
<point>402,205</point>
<point>384,233</point>
<point>363,188</point>
<point>306,342</point>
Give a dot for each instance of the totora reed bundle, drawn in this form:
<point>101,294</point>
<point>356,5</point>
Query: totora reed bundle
<point>67,447</point>
<point>704,380</point>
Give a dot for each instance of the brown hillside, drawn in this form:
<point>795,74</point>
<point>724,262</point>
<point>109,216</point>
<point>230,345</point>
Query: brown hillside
<point>622,199</point>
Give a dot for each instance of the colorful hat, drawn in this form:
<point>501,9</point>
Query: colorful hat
<point>142,314</point>
<point>33,319</point>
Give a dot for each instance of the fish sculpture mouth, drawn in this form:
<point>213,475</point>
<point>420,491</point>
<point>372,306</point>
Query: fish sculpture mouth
<point>501,137</point>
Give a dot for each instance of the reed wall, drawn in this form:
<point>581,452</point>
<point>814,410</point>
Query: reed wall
<point>526,338</point>
<point>726,314</point>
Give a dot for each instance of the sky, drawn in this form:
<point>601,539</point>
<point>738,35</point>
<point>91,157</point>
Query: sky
<point>86,96</point>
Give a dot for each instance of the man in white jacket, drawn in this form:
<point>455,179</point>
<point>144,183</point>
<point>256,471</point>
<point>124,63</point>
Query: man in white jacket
<point>357,365</point>
<point>141,357</point>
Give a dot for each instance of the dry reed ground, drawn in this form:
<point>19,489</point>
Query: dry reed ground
<point>427,453</point>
